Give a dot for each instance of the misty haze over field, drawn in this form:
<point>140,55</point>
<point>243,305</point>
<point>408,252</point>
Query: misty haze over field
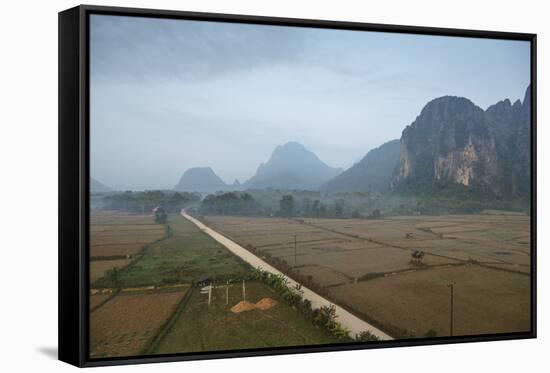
<point>170,95</point>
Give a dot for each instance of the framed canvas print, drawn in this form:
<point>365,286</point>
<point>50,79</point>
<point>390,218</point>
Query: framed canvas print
<point>235,186</point>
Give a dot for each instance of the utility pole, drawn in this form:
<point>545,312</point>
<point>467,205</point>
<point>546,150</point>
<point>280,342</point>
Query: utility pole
<point>294,249</point>
<point>210,295</point>
<point>244,291</point>
<point>451,285</point>
<point>227,293</point>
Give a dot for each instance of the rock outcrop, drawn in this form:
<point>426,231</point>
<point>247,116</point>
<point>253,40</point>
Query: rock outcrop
<point>454,141</point>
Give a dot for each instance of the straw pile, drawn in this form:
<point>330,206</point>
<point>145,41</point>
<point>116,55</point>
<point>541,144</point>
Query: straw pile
<point>263,304</point>
<point>243,306</point>
<point>266,303</point>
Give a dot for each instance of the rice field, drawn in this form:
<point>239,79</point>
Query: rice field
<point>117,238</point>
<point>365,266</point>
<point>413,303</point>
<point>114,234</point>
<point>100,268</point>
<point>124,325</point>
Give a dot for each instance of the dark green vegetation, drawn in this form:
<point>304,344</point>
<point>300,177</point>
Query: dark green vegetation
<point>231,203</point>
<point>289,204</point>
<point>199,327</point>
<point>186,256</point>
<point>160,215</point>
<point>143,202</point>
<point>435,200</point>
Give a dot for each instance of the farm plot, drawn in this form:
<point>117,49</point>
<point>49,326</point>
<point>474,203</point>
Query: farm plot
<point>98,299</point>
<point>322,251</point>
<point>114,234</point>
<point>200,327</point>
<point>356,258</point>
<point>125,324</point>
<point>187,255</point>
<point>413,303</point>
<point>501,241</point>
<point>99,268</point>
<point>116,238</point>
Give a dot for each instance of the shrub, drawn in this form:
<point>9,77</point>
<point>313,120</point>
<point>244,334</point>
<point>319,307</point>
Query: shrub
<point>366,336</point>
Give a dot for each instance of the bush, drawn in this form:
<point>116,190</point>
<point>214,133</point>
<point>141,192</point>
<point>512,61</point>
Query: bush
<point>366,336</point>
<point>324,317</point>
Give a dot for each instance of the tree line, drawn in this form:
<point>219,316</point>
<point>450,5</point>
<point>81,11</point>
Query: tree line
<point>244,203</point>
<point>145,202</point>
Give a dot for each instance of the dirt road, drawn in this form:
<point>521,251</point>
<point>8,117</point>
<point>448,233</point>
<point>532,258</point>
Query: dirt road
<point>345,318</point>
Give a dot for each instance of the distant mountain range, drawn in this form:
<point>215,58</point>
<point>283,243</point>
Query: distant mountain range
<point>200,179</point>
<point>373,173</point>
<point>98,187</point>
<point>451,142</point>
<point>292,166</point>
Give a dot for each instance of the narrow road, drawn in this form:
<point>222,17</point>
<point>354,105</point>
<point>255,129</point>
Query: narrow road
<point>345,318</point>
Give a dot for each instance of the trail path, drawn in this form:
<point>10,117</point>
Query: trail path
<point>345,318</point>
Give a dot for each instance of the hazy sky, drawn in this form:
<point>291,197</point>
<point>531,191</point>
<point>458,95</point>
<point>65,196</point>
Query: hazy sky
<point>167,95</point>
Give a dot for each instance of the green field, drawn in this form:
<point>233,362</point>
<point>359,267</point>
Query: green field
<point>185,256</point>
<point>200,327</point>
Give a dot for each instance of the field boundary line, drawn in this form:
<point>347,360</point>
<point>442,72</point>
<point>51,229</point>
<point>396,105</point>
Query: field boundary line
<point>138,255</point>
<point>345,318</point>
<point>155,340</point>
<point>368,239</point>
<point>110,297</point>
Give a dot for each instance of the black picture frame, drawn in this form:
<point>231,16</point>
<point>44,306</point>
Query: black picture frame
<point>74,167</point>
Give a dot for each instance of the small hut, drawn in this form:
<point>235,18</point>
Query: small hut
<point>160,215</point>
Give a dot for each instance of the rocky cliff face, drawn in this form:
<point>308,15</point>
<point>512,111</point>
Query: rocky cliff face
<point>455,141</point>
<point>511,126</point>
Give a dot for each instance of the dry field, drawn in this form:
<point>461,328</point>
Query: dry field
<point>486,301</point>
<point>365,265</point>
<point>98,299</point>
<point>499,240</point>
<point>116,237</point>
<point>125,324</point>
<point>99,267</point>
<point>119,234</point>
